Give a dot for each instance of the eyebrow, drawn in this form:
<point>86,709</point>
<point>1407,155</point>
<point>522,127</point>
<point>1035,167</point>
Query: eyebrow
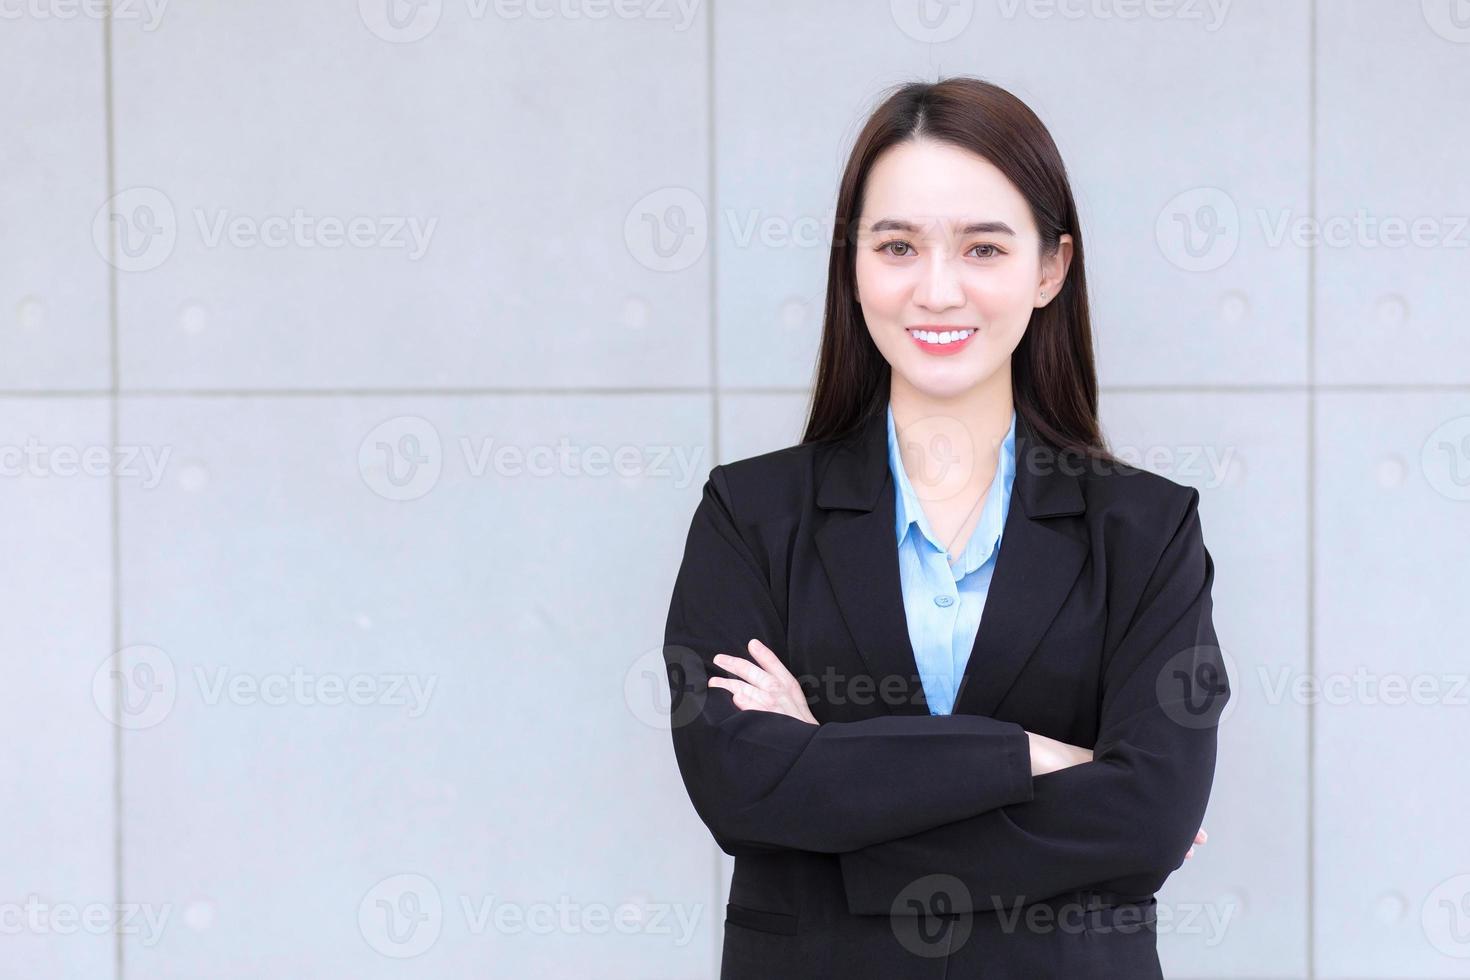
<point>976,228</point>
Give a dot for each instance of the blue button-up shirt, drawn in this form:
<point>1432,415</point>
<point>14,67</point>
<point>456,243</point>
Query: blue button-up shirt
<point>943,602</point>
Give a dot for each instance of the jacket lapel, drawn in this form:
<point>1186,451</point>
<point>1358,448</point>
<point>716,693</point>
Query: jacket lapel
<point>860,554</point>
<point>1037,564</point>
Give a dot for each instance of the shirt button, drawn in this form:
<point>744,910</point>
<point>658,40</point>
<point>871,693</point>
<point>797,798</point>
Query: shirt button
<point>944,601</point>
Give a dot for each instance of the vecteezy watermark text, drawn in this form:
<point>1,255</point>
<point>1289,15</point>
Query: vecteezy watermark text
<point>402,459</point>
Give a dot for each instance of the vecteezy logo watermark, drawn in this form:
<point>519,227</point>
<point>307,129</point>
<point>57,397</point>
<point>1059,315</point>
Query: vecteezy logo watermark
<point>566,917</point>
<point>138,686</point>
<point>1365,687</point>
<point>406,21</point>
<point>1445,917</point>
<point>752,226</point>
<point>1450,19</point>
<point>1089,914</point>
<point>136,230</point>
<point>149,12</point>
<point>1182,10</point>
<point>938,454</point>
<point>37,459</point>
<point>934,915</point>
<point>36,917</point>
<point>405,233</point>
<point>400,21</point>
<point>402,458</point>
<point>932,21</point>
<point>1445,459</point>
<point>403,916</point>
<point>1204,467</point>
<point>667,230</point>
<point>1198,230</point>
<point>1193,687</point>
<point>1362,229</point>
<point>666,687</point>
<point>301,687</point>
<point>144,683</point>
<point>923,918</point>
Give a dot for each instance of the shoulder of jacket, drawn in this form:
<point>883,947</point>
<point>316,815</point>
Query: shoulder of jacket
<point>778,482</point>
<point>1139,500</point>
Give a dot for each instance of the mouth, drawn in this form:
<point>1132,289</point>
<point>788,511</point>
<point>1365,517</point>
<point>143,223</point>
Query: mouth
<point>942,343</point>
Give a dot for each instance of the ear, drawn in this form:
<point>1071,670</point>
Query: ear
<point>1054,269</point>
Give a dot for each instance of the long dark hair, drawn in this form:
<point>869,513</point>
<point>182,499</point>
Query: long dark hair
<point>1053,378</point>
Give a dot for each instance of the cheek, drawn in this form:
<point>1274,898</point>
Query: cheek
<point>882,288</point>
<point>1001,298</point>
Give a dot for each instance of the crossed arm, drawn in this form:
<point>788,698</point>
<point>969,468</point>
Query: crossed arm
<point>957,795</point>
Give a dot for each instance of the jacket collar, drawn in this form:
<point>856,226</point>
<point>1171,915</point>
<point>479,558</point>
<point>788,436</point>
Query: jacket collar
<point>1039,560</point>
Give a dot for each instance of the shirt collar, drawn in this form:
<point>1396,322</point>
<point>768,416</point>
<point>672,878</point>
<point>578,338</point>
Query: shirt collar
<point>986,536</point>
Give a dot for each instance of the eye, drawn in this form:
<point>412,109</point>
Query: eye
<point>898,242</point>
<point>993,251</point>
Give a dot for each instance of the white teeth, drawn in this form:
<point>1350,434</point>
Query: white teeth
<point>945,337</point>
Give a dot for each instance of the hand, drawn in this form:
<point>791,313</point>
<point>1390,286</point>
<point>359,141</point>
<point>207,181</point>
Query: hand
<point>767,684</point>
<point>1199,838</point>
<point>1049,755</point>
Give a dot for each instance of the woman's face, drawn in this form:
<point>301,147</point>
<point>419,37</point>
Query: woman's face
<point>947,244</point>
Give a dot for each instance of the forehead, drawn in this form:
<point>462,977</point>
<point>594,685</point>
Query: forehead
<point>926,182</point>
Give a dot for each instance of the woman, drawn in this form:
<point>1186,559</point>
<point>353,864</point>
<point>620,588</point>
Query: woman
<point>911,789</point>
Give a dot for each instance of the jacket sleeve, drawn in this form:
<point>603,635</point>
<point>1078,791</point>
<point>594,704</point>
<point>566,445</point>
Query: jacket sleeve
<point>763,781</point>
<point>1122,821</point>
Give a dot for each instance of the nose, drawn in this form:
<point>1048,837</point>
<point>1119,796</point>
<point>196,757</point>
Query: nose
<point>939,286</point>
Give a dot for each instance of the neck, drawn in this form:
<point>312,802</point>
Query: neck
<point>951,445</point>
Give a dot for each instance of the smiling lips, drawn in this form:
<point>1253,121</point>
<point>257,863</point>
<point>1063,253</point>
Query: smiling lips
<point>942,343</point>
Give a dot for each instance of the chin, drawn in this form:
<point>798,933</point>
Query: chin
<point>944,384</point>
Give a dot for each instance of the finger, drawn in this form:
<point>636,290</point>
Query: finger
<point>744,669</point>
<point>752,699</point>
<point>1201,837</point>
<point>767,658</point>
<point>745,695</point>
<point>1189,853</point>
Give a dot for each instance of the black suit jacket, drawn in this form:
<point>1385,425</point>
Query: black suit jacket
<point>886,842</point>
